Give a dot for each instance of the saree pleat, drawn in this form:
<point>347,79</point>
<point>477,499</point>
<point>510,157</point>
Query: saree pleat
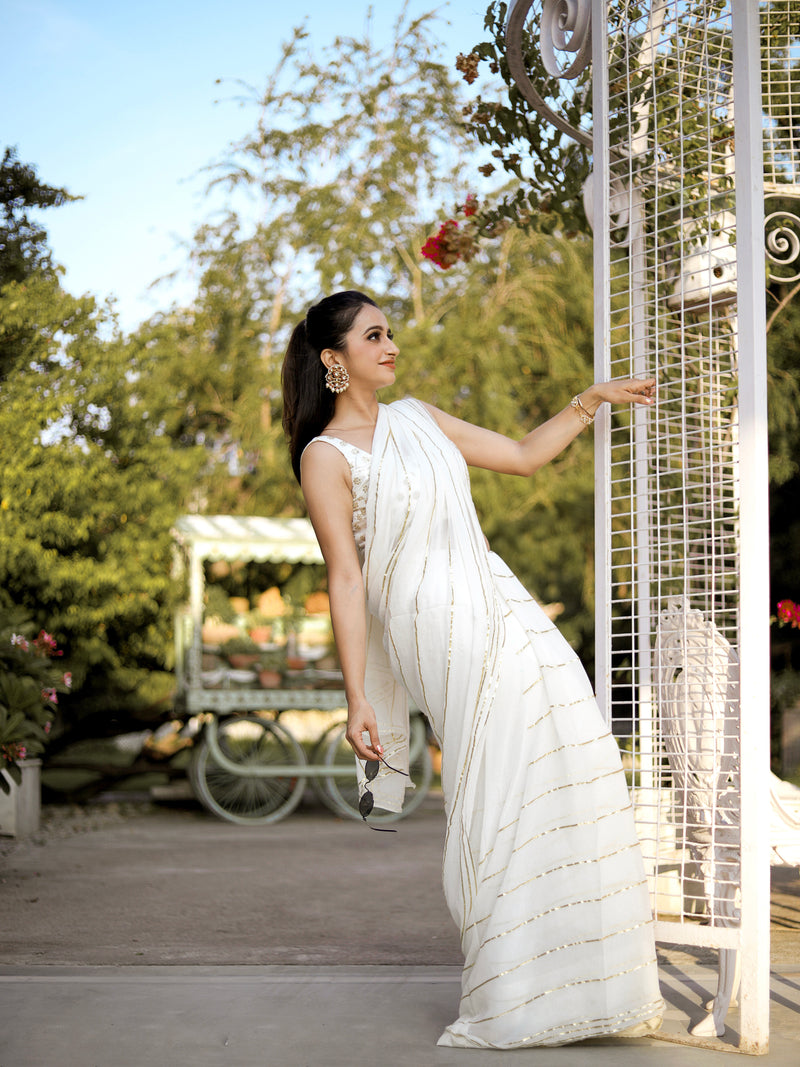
<point>542,871</point>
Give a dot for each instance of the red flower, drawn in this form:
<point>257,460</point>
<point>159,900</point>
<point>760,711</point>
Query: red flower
<point>437,248</point>
<point>451,244</point>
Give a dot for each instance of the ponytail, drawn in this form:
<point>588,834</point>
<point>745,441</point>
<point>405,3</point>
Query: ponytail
<point>308,405</point>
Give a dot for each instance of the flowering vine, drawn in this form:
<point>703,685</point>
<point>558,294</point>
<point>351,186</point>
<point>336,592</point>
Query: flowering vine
<point>455,241</point>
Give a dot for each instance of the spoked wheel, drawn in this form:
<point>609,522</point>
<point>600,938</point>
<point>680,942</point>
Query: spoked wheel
<point>341,793</point>
<point>317,756</point>
<point>253,745</point>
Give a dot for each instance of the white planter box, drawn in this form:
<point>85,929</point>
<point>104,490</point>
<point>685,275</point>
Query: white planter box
<point>21,809</point>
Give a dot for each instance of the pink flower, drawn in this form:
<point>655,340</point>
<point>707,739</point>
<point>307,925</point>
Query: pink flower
<point>68,679</point>
<point>46,643</point>
<point>20,642</point>
<point>47,727</point>
<point>789,612</point>
<point>470,206</point>
<point>50,695</point>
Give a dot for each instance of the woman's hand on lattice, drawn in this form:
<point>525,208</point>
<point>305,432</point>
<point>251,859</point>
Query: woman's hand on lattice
<point>623,391</point>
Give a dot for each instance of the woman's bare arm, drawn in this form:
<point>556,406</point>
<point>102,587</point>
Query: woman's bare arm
<point>328,492</point>
<point>496,452</point>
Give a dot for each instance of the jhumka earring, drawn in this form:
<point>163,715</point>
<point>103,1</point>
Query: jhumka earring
<point>337,379</point>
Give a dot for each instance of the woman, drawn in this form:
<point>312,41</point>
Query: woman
<point>542,869</point>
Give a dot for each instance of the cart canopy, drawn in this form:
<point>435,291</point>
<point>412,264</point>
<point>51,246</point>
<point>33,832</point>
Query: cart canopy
<point>250,537</point>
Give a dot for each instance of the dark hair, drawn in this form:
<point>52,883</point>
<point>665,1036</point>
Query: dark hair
<point>307,403</point>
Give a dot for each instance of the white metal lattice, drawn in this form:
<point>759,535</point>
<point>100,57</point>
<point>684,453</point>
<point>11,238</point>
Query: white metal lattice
<point>691,130</point>
<point>683,501</point>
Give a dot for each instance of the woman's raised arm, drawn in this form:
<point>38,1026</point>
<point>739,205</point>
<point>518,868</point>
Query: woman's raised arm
<point>496,452</point>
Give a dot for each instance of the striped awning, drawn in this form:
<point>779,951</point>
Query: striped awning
<point>249,537</point>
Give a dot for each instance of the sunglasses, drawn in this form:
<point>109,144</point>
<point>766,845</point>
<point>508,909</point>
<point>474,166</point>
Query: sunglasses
<point>367,801</point>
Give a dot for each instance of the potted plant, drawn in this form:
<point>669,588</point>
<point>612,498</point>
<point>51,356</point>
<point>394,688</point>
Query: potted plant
<point>29,685</point>
<point>271,665</point>
<point>241,652</point>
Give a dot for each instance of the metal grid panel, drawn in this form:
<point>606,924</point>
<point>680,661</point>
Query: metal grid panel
<point>673,471</point>
<point>780,31</point>
<point>679,301</point>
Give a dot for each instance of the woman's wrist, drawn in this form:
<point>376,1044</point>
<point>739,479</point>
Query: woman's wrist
<point>355,698</point>
<point>590,399</point>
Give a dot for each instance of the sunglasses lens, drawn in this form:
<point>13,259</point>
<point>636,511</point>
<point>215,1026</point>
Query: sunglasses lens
<point>371,768</point>
<point>365,804</point>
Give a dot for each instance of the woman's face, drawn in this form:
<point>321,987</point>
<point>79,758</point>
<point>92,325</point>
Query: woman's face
<point>369,352</point>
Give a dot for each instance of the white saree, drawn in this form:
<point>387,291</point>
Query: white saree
<point>542,869</point>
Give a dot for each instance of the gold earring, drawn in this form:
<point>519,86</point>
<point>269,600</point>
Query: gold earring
<point>337,379</point>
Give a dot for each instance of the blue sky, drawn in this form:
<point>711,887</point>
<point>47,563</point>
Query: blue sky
<point>117,103</point>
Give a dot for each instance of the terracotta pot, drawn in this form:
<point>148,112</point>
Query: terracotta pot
<point>269,679</point>
<point>242,660</point>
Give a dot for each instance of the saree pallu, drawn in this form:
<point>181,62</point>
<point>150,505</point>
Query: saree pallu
<point>542,870</point>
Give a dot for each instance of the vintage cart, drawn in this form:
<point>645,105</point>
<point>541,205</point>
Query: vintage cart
<point>247,765</point>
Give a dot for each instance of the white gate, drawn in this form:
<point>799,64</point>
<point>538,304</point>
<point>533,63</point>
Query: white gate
<point>677,199</point>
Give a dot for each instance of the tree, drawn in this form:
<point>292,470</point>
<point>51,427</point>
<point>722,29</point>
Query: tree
<point>89,481</point>
<point>350,156</point>
<point>23,242</point>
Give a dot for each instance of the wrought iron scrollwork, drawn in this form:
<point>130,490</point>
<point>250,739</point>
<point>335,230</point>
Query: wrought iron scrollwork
<point>564,26</point>
<point>782,239</point>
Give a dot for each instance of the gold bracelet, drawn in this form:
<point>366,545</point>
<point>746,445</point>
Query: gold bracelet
<point>581,411</point>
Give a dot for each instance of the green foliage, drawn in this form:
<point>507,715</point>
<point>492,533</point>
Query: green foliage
<point>23,242</point>
<point>547,166</point>
<point>89,487</point>
<point>348,153</point>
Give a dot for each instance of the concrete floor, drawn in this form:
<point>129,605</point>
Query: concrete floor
<point>138,935</point>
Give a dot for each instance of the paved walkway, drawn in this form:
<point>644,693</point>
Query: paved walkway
<point>141,936</point>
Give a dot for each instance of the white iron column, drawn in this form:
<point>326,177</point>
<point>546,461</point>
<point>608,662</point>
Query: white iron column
<point>602,360</point>
<point>753,529</point>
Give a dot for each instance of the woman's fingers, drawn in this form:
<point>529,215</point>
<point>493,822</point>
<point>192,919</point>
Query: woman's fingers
<point>359,725</point>
<point>632,391</point>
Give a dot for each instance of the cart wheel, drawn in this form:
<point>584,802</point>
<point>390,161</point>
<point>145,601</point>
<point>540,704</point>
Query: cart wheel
<point>248,799</point>
<point>342,793</point>
<point>317,756</point>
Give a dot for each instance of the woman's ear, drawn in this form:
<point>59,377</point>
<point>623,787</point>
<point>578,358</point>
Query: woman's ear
<point>328,357</point>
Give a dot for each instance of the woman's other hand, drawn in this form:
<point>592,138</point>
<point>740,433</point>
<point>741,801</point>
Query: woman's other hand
<point>360,720</point>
